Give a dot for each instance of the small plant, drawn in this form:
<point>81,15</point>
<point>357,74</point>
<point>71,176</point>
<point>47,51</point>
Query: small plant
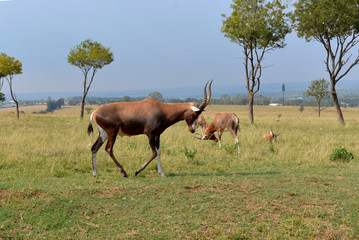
<point>190,154</point>
<point>340,154</point>
<point>230,148</point>
<point>271,148</point>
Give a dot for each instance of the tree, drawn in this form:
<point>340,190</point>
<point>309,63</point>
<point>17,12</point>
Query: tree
<point>156,95</point>
<point>258,27</point>
<point>54,105</point>
<point>126,98</point>
<point>319,90</point>
<point>89,56</point>
<point>335,24</point>
<point>9,67</point>
<point>283,90</point>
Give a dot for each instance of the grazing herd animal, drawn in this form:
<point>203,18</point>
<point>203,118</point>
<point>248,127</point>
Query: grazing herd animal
<point>271,136</point>
<point>149,117</point>
<point>152,118</point>
<point>201,122</point>
<point>221,122</point>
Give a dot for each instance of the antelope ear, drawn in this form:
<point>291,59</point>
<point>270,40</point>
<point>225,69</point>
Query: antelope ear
<point>195,109</point>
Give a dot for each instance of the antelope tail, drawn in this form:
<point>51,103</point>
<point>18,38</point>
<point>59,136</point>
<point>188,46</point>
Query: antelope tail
<point>89,128</point>
<point>236,124</point>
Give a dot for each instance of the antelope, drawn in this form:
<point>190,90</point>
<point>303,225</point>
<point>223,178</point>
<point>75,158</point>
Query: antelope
<point>270,136</point>
<point>201,122</point>
<point>148,117</point>
<point>222,121</point>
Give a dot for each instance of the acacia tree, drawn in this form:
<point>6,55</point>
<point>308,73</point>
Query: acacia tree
<point>9,67</point>
<point>335,24</point>
<point>89,56</point>
<point>257,26</point>
<point>319,90</point>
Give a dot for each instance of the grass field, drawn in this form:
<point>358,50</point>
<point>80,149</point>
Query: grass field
<point>288,190</point>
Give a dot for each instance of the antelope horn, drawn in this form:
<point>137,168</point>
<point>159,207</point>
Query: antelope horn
<point>206,98</point>
<point>200,138</point>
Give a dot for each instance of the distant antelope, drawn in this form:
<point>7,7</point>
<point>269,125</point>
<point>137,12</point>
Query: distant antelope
<point>148,117</point>
<point>201,122</point>
<point>222,121</point>
<point>271,136</point>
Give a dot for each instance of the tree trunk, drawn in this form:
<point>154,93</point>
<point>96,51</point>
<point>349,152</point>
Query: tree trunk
<point>336,104</point>
<point>250,108</point>
<point>82,107</point>
<point>14,98</point>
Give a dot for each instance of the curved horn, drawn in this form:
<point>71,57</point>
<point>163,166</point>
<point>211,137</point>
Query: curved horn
<point>209,93</point>
<point>202,105</point>
<point>200,138</point>
<point>206,98</point>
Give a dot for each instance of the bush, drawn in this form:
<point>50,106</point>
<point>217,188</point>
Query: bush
<point>340,154</point>
<point>190,154</point>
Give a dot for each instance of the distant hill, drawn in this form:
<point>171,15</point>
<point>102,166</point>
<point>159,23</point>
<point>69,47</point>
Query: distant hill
<point>274,90</point>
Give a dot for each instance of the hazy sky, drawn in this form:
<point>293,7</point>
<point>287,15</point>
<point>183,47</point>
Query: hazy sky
<point>156,44</point>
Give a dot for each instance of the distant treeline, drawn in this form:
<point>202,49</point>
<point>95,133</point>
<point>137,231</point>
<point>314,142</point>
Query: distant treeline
<point>223,100</point>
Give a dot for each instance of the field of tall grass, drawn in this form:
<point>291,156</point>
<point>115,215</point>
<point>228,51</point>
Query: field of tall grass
<point>289,189</point>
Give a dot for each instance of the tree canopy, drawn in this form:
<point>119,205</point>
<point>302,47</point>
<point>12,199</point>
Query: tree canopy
<point>319,90</point>
<point>9,67</point>
<point>89,55</point>
<point>335,24</point>
<point>257,26</point>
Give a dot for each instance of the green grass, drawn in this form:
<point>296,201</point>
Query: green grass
<point>288,190</point>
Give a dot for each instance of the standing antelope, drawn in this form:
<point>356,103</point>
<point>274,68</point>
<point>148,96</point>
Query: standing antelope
<point>222,121</point>
<point>270,136</point>
<point>148,117</point>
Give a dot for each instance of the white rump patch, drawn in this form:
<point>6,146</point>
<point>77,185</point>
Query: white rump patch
<point>102,132</point>
<point>195,109</point>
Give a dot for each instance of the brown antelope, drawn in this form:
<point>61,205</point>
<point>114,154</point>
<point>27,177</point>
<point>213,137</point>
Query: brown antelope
<point>201,122</point>
<point>271,136</point>
<point>222,121</point>
<point>148,117</point>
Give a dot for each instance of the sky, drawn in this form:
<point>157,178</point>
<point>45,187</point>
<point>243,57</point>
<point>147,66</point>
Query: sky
<point>156,44</point>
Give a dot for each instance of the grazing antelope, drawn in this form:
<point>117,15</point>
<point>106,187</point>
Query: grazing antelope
<point>201,122</point>
<point>222,121</point>
<point>148,117</point>
<point>270,136</point>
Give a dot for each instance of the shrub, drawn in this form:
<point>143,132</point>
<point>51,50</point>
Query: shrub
<point>190,154</point>
<point>340,154</point>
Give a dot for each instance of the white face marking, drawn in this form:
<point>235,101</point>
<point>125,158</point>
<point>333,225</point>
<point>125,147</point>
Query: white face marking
<point>194,125</point>
<point>195,109</point>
